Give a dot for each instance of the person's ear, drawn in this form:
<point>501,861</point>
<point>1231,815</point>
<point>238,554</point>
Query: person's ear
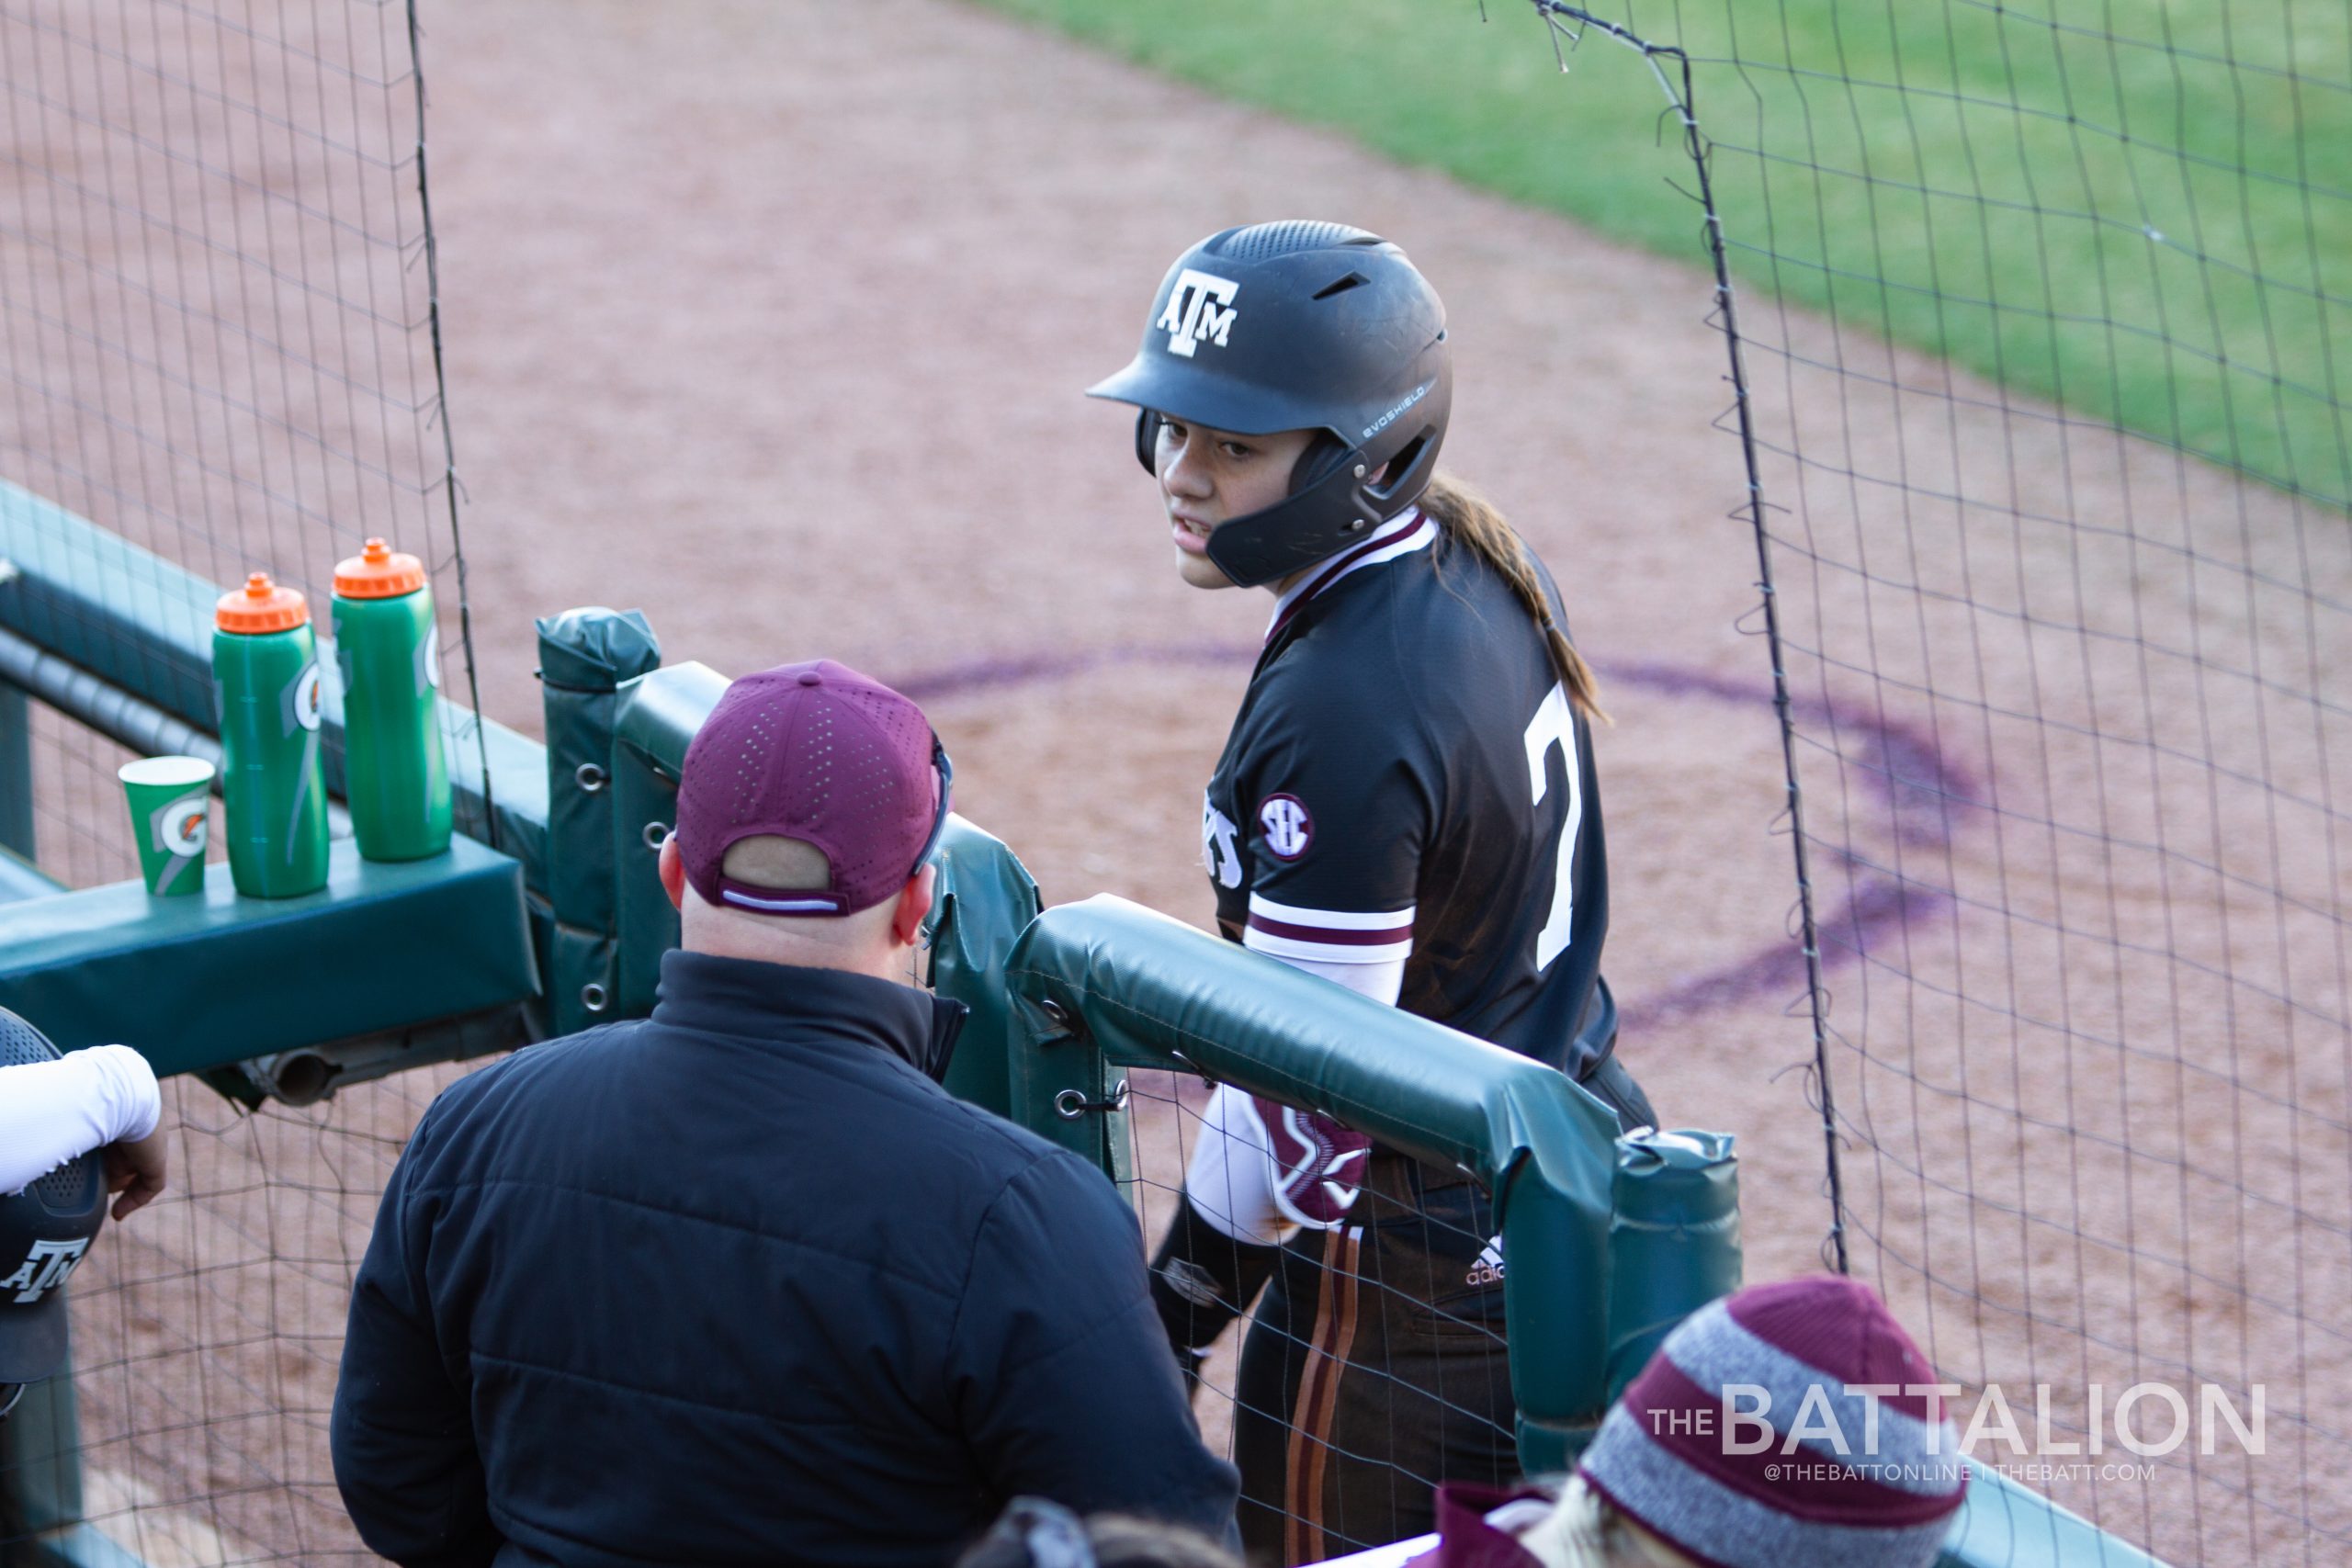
<point>674,872</point>
<point>914,905</point>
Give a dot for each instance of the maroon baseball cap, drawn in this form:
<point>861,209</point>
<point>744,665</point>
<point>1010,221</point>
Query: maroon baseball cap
<point>821,754</point>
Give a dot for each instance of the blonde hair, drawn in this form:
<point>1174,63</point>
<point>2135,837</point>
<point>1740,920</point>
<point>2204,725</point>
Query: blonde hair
<point>1473,521</point>
<point>1584,1529</point>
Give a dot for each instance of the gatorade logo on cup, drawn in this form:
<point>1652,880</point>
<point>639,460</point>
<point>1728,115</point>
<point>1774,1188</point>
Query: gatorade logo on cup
<point>428,657</point>
<point>306,696</point>
<point>182,827</point>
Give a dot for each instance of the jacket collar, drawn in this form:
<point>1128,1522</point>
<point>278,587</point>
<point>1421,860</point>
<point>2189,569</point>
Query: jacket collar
<point>747,999</point>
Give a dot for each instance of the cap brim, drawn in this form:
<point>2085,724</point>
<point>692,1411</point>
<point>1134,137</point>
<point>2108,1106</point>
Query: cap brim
<point>1201,396</point>
<point>32,1338</point>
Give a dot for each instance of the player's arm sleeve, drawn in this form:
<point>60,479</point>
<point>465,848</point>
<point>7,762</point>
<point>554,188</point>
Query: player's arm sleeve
<point>1381,979</point>
<point>55,1112</point>
<point>1060,1367</point>
<point>1232,1179</point>
<point>402,1434</point>
<point>1338,812</point>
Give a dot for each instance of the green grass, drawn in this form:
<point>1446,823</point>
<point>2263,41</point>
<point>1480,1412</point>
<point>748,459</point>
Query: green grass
<point>2140,210</point>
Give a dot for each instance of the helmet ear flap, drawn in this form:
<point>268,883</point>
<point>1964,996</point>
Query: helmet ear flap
<point>1147,423</point>
<point>1323,454</point>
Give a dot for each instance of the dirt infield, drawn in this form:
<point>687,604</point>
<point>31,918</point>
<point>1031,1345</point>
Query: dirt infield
<point>773,321</point>
<point>773,318</point>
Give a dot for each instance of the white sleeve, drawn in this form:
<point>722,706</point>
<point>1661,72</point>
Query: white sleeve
<point>1232,1177</point>
<point>1230,1180</point>
<point>54,1111</point>
<point>1382,979</point>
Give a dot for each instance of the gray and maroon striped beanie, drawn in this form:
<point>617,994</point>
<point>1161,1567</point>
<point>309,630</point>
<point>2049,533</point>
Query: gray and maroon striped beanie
<point>1785,1355</point>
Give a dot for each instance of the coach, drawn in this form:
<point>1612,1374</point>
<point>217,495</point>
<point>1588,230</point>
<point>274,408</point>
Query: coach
<point>740,1282</point>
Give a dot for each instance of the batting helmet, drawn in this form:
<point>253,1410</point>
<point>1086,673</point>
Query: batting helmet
<point>44,1232</point>
<point>1299,326</point>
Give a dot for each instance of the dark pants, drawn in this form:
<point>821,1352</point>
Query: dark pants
<point>1376,1365</point>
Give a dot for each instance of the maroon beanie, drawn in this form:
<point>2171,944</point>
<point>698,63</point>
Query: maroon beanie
<point>823,754</point>
<point>1786,1357</point>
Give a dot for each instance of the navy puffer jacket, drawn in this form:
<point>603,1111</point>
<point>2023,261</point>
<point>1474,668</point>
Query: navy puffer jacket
<point>740,1283</point>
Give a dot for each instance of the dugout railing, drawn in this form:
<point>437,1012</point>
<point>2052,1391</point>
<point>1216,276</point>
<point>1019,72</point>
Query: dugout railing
<point>553,893</point>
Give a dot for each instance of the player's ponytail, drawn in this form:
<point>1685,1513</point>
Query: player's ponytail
<point>1471,519</point>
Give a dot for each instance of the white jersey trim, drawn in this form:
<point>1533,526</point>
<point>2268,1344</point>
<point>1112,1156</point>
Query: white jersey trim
<point>1328,936</point>
<point>1274,946</point>
<point>1331,919</point>
<point>1322,577</point>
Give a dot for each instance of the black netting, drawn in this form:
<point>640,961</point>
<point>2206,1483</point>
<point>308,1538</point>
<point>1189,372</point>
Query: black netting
<point>2032,316</point>
<point>217,315</point>
<point>207,1331</point>
<point>1371,1364</point>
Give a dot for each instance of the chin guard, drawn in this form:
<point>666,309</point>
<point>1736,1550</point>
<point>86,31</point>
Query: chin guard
<point>1342,507</point>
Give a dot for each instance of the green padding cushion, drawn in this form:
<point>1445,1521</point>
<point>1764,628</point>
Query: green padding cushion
<point>194,983</point>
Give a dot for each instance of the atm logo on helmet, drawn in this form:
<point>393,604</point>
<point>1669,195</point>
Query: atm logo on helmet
<point>1200,307</point>
<point>44,1268</point>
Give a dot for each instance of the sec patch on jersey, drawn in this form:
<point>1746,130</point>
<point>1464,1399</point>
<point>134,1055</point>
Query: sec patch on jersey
<point>1288,826</point>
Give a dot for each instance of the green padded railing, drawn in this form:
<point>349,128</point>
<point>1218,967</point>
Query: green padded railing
<point>1107,984</point>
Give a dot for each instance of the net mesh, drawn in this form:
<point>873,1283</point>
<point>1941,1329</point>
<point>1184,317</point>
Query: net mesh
<point>2033,315</point>
<point>80,819</point>
<point>1369,1368</point>
<point>219,341</point>
<point>207,1331</point>
<point>217,310</point>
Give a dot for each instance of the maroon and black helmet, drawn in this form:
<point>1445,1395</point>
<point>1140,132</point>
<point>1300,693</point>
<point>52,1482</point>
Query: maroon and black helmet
<point>1299,325</point>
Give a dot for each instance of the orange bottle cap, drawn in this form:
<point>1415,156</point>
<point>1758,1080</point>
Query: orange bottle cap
<point>379,572</point>
<point>262,606</point>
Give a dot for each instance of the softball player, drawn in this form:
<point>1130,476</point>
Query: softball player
<point>1406,806</point>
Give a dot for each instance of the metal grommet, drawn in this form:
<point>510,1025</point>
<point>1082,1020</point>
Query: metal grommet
<point>1070,1104</point>
<point>1057,1015</point>
<point>589,777</point>
<point>1359,526</point>
<point>1360,470</point>
<point>593,996</point>
<point>656,834</point>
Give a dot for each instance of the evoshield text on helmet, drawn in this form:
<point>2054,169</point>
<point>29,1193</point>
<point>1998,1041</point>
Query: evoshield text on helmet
<point>45,1231</point>
<point>1299,326</point>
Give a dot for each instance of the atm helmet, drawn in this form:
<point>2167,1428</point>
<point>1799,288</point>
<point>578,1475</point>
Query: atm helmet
<point>45,1231</point>
<point>1299,326</point>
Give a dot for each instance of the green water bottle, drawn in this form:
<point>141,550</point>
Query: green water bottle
<point>395,776</point>
<point>266,677</point>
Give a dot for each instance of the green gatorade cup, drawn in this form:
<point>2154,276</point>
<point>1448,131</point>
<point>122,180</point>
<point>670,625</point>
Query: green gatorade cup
<point>395,774</point>
<point>265,678</point>
<point>170,798</point>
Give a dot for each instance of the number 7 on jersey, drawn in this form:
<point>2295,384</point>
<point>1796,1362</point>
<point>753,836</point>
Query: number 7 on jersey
<point>1555,724</point>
